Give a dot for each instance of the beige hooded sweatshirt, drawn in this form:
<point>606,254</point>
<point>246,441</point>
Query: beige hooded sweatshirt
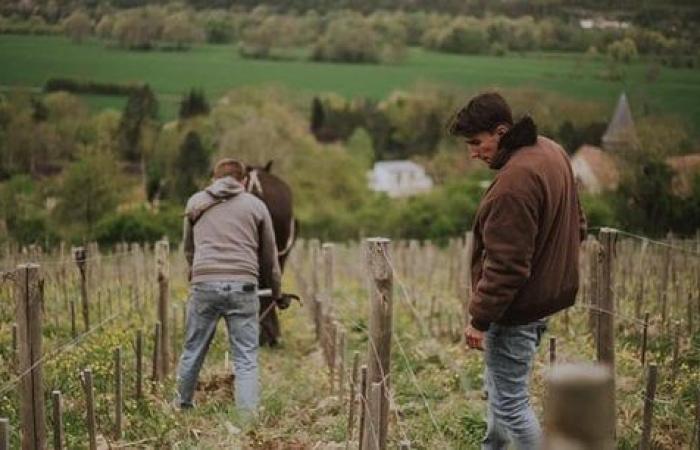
<point>232,238</point>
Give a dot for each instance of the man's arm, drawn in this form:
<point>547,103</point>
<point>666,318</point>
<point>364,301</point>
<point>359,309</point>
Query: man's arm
<point>188,243</point>
<point>269,264</point>
<point>509,232</point>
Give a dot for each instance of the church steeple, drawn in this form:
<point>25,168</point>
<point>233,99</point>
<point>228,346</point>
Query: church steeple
<point>621,134</point>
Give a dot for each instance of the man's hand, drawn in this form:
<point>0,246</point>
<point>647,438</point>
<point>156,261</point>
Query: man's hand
<point>475,338</point>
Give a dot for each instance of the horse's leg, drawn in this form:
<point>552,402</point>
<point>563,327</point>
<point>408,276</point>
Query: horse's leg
<point>269,325</point>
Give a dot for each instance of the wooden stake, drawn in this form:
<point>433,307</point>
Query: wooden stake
<point>58,436</point>
<point>352,403</point>
<point>118,393</point>
<point>4,434</point>
<point>380,331</point>
<point>580,410</point>
<point>156,375</point>
<point>90,410</point>
<point>363,406</point>
<point>29,300</point>
<point>139,364</point>
<point>80,255</point>
<point>645,332</point>
<point>649,394</point>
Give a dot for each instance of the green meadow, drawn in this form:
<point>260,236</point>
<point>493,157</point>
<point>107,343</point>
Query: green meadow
<point>28,61</point>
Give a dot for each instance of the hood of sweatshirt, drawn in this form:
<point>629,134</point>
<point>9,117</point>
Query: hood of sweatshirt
<point>225,187</point>
<point>219,191</point>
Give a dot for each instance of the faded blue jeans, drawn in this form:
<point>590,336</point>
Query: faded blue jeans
<point>508,355</point>
<point>237,302</point>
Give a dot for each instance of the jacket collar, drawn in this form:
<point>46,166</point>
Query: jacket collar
<point>522,134</point>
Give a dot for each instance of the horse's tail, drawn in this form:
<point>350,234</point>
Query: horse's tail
<point>291,239</point>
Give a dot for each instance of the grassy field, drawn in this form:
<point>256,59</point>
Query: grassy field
<point>30,60</point>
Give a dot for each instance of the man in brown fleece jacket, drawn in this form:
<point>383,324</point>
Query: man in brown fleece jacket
<point>527,233</point>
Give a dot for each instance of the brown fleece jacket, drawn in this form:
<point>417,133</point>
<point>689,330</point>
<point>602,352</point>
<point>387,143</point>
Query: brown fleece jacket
<point>527,233</point>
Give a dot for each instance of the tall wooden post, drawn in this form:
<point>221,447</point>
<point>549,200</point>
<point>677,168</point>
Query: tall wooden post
<point>30,297</point>
<point>380,333</point>
<point>580,411</point>
<point>80,256</point>
<point>649,394</point>
<point>90,410</point>
<point>163,268</point>
<point>118,393</point>
<point>58,433</point>
<point>606,318</point>
<point>4,434</point>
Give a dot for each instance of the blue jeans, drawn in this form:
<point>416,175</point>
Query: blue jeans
<point>208,302</point>
<point>508,355</point>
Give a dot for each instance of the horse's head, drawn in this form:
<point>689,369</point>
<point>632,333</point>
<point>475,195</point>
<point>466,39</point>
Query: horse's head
<point>266,168</point>
<point>253,180</point>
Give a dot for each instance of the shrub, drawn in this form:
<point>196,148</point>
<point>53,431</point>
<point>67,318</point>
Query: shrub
<point>140,225</point>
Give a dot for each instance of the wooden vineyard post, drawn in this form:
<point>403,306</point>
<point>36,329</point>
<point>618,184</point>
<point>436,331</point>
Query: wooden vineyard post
<point>606,318</point>
<point>380,333</point>
<point>353,398</point>
<point>4,434</point>
<point>139,365</point>
<point>118,393</point>
<point>163,268</point>
<point>90,410</point>
<point>29,293</point>
<point>362,405</point>
<point>649,394</point>
<point>580,411</point>
<point>80,256</point>
<point>58,434</point>
<point>645,333</point>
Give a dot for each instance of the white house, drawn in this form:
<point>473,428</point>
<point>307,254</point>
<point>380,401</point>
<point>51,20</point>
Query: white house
<point>399,178</point>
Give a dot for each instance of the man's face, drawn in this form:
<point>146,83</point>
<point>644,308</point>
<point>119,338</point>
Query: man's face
<point>484,145</point>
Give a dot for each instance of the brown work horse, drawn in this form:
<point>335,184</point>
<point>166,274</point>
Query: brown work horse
<point>277,196</point>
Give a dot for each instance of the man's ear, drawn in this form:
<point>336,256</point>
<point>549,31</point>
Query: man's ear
<point>501,130</point>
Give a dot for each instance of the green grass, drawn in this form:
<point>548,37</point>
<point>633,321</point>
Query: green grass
<point>31,60</point>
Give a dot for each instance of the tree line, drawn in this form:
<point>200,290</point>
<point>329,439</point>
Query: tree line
<point>349,36</point>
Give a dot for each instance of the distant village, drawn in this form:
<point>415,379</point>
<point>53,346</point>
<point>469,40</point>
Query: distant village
<point>596,169</point>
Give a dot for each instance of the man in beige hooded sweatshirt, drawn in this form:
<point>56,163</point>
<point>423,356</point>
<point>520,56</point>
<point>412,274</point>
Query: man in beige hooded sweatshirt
<point>229,244</point>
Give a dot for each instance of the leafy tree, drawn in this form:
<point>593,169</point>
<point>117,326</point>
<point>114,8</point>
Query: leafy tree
<point>624,51</point>
<point>139,28</point>
<point>105,27</point>
<point>90,188</point>
<point>644,199</point>
<point>349,38</point>
<point>317,116</point>
<point>22,211</point>
<point>181,30</point>
<point>140,111</point>
<point>191,165</point>
<point>194,103</point>
<point>78,26</point>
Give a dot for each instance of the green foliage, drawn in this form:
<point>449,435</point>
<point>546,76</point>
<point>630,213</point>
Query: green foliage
<point>349,39</point>
<point>90,87</point>
<point>89,189</point>
<point>140,225</point>
<point>78,26</point>
<point>140,111</point>
<point>644,198</point>
<point>22,212</point>
<point>181,30</point>
<point>460,36</point>
<point>191,165</point>
<point>624,51</point>
<point>599,210</point>
<point>194,103</point>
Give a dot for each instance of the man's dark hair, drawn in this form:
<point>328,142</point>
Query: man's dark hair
<point>483,113</point>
